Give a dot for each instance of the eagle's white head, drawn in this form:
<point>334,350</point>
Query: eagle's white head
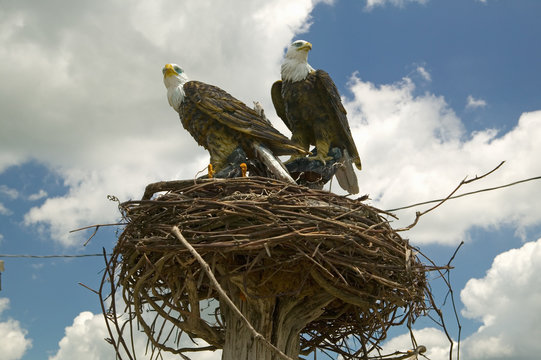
<point>174,79</point>
<point>295,66</point>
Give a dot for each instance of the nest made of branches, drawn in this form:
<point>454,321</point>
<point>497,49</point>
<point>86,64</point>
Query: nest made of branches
<point>272,239</point>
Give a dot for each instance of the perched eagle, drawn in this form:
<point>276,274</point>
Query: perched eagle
<point>308,102</point>
<point>221,124</point>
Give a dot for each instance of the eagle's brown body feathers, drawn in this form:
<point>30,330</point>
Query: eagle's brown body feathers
<point>220,123</point>
<point>313,111</point>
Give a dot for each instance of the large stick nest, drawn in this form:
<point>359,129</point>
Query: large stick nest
<point>271,239</point>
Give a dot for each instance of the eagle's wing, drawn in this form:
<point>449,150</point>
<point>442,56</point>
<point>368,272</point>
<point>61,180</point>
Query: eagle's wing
<point>234,114</point>
<point>329,92</point>
<point>278,101</point>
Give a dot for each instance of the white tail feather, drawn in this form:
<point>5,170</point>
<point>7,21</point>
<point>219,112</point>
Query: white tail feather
<point>274,165</point>
<point>345,174</point>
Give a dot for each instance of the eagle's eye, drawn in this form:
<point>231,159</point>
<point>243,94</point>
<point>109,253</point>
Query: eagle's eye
<point>178,70</point>
<point>297,43</point>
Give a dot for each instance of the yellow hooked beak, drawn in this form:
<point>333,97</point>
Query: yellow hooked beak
<point>169,71</point>
<point>307,47</point>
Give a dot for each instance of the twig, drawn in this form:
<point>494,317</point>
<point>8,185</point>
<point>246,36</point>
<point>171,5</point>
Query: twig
<point>419,350</point>
<point>89,288</point>
<point>224,296</point>
<point>466,194</point>
<point>482,176</point>
<point>454,254</point>
<point>453,300</point>
<point>108,273</point>
<point>418,214</point>
<point>97,227</point>
<point>447,282</point>
<point>46,256</point>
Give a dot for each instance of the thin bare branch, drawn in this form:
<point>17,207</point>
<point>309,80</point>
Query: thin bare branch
<point>466,194</point>
<point>463,182</point>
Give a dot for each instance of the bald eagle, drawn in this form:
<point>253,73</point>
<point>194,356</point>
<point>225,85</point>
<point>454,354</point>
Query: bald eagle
<point>221,124</point>
<point>308,101</point>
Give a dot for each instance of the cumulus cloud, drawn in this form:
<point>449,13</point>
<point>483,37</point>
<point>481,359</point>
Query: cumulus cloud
<point>424,73</point>
<point>37,196</point>
<point>508,303</point>
<point>4,305</point>
<point>4,210</point>
<point>433,339</point>
<point>99,117</point>
<point>472,103</point>
<point>97,114</point>
<point>84,340</point>
<point>370,4</point>
<point>13,342</point>
<point>414,148</point>
<point>9,192</point>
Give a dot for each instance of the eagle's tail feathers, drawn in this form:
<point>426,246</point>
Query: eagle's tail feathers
<point>273,164</point>
<point>345,174</point>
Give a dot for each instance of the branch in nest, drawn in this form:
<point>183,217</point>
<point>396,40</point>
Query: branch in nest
<point>223,295</point>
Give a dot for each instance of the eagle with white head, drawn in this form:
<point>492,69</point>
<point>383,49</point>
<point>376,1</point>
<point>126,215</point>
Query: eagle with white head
<point>221,124</point>
<point>308,102</point>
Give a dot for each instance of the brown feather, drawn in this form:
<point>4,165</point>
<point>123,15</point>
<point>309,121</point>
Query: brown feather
<point>313,111</point>
<point>220,123</point>
<point>278,101</point>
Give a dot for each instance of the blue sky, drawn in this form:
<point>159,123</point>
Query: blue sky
<point>468,47</point>
<point>435,91</point>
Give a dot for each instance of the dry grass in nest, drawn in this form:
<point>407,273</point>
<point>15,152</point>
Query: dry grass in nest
<point>270,239</point>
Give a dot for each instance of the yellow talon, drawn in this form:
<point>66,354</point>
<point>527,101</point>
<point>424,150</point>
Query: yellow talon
<point>211,171</point>
<point>243,168</point>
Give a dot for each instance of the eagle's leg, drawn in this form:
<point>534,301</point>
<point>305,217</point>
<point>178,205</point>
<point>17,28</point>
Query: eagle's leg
<point>323,146</point>
<point>243,169</point>
<point>211,171</point>
<point>220,145</point>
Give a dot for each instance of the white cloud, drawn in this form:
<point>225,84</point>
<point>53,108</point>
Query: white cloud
<point>13,340</point>
<point>370,4</point>
<point>436,343</point>
<point>105,126</point>
<point>9,192</point>
<point>472,103</point>
<point>4,210</point>
<point>424,73</point>
<point>97,113</point>
<point>4,305</point>
<point>508,303</point>
<point>37,196</point>
<point>84,340</point>
<point>414,148</point>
